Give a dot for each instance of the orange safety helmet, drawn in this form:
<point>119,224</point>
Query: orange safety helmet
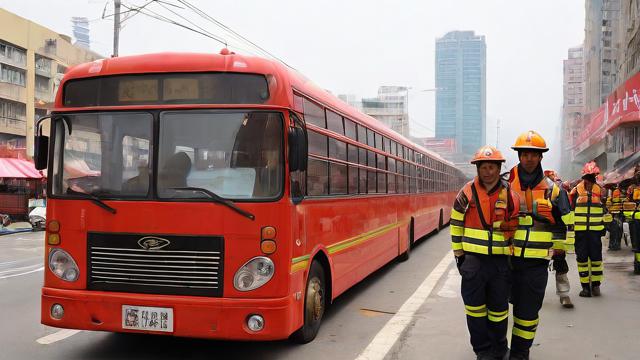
<point>487,153</point>
<point>530,140</point>
<point>590,168</point>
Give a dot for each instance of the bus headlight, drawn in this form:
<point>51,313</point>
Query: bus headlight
<point>62,265</point>
<point>253,274</point>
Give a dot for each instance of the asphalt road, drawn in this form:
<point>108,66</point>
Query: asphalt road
<point>349,325</point>
<point>602,328</point>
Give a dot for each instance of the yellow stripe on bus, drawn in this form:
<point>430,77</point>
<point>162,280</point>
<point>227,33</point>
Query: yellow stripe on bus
<point>300,263</point>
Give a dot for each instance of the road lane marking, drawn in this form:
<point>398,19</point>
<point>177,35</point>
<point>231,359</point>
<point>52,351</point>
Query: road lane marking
<point>393,329</point>
<point>451,286</point>
<point>57,336</point>
<point>23,273</point>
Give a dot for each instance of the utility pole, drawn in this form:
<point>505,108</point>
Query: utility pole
<point>116,27</point>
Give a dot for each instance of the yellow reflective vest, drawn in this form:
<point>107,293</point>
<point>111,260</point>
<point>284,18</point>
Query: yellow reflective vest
<point>588,208</point>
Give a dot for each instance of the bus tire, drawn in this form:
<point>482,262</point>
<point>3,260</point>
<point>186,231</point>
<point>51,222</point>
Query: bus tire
<point>407,254</point>
<point>315,303</point>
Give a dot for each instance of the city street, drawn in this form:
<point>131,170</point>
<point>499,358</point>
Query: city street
<point>436,330</point>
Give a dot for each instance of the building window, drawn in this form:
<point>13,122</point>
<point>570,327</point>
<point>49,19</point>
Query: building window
<point>43,64</point>
<point>14,54</point>
<point>42,83</point>
<point>11,75</point>
<point>12,110</point>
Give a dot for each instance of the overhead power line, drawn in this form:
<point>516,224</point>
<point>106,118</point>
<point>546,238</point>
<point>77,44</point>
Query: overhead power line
<point>228,29</point>
<point>154,15</point>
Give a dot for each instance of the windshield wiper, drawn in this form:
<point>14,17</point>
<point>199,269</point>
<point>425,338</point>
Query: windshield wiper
<point>94,199</point>
<point>218,199</point>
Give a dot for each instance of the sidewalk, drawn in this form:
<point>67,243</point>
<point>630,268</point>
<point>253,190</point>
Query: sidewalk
<point>604,328</point>
<point>16,228</point>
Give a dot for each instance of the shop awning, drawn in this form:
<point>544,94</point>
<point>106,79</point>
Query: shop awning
<point>19,169</point>
<point>623,169</point>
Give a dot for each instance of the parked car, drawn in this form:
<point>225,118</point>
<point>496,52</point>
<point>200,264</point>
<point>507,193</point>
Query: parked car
<point>38,218</point>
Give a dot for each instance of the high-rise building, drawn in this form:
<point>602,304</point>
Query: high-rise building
<point>80,28</point>
<point>629,55</point>
<point>602,43</point>
<point>32,62</point>
<point>461,95</point>
<point>573,108</point>
<point>390,107</point>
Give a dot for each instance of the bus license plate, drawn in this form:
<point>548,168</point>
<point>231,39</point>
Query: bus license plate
<point>147,318</point>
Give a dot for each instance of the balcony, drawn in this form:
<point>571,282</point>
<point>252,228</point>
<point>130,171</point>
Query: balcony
<point>13,126</point>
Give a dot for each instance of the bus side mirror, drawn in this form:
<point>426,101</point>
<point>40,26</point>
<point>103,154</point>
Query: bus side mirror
<point>297,149</point>
<point>41,146</point>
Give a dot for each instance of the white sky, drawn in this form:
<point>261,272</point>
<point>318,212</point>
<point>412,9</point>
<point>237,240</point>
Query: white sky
<point>355,46</point>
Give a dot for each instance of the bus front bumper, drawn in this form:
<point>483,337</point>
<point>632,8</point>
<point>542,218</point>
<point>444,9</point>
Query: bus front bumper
<point>200,317</point>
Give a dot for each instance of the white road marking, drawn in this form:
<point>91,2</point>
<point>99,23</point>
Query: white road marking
<point>393,329</point>
<point>57,336</point>
<point>451,287</point>
<point>23,273</point>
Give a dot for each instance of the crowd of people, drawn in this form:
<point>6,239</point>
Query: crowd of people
<point>506,229</point>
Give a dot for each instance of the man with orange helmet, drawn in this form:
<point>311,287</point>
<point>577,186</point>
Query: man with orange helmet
<point>587,202</point>
<point>544,207</point>
<point>483,218</point>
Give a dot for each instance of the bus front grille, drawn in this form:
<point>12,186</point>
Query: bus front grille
<point>155,264</point>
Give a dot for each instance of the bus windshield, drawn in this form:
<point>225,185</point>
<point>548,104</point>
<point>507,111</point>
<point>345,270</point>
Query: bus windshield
<point>237,155</point>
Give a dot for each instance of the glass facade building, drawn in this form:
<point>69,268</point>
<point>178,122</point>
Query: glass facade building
<point>461,96</point>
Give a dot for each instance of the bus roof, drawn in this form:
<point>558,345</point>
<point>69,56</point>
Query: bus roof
<point>286,77</point>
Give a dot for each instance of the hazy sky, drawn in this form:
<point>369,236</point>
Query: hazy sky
<point>355,46</point>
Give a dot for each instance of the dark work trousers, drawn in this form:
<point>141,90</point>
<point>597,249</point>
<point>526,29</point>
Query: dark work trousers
<point>634,231</point>
<point>589,257</point>
<point>615,233</point>
<point>529,277</point>
<point>485,292</point>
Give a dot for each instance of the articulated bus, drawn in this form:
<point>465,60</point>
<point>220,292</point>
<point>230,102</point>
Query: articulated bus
<point>220,196</point>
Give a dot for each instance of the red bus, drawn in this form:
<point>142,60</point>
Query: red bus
<point>221,196</point>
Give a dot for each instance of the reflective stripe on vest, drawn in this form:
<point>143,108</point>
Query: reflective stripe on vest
<point>534,238</point>
<point>471,237</point>
<point>588,211</point>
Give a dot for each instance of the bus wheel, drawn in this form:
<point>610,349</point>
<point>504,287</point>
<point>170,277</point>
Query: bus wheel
<point>407,254</point>
<point>314,305</point>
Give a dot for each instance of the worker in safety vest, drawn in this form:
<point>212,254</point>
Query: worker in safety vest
<point>563,241</point>
<point>544,206</point>
<point>614,208</point>
<point>633,217</point>
<point>483,218</point>
<point>586,200</point>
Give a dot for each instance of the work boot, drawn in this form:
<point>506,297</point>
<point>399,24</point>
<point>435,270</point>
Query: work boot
<point>484,355</point>
<point>566,302</point>
<point>586,291</point>
<point>595,290</point>
<point>518,356</point>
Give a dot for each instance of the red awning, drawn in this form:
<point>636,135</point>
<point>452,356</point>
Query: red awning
<point>17,168</point>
